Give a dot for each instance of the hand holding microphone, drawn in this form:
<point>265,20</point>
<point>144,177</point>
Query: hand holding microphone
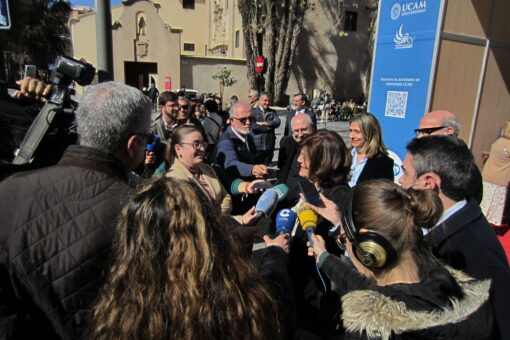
<point>308,220</point>
<point>267,202</point>
<point>285,221</point>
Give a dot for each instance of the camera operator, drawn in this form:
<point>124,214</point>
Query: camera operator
<point>58,222</point>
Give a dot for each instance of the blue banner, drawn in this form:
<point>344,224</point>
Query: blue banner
<point>402,69</point>
<point>5,19</point>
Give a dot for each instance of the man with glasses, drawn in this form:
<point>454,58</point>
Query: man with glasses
<point>301,127</point>
<point>58,222</point>
<point>443,122</point>
<point>236,152</point>
<point>439,122</point>
<point>299,106</point>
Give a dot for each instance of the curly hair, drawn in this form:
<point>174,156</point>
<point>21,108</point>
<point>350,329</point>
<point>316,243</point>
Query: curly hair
<point>177,274</point>
<point>330,162</point>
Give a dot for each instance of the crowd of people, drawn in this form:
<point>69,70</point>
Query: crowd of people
<point>130,238</point>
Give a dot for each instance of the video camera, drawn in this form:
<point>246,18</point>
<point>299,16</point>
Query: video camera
<point>41,140</point>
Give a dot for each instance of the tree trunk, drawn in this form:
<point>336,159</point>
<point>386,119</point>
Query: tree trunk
<point>279,23</point>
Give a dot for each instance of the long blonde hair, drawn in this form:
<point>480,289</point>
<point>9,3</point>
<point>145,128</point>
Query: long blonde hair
<point>178,274</point>
<point>372,133</point>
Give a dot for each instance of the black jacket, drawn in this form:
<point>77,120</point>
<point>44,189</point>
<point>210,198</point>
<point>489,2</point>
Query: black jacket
<point>289,167</point>
<point>57,228</point>
<point>466,242</point>
<point>426,310</point>
<point>379,166</point>
<point>291,114</point>
<point>316,308</point>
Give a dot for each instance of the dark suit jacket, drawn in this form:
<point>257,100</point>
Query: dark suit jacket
<point>264,136</point>
<point>291,114</point>
<point>287,163</point>
<point>379,166</point>
<point>234,156</point>
<point>466,242</point>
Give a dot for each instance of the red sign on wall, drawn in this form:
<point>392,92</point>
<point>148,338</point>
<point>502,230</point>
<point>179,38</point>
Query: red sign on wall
<point>259,64</point>
<point>168,83</point>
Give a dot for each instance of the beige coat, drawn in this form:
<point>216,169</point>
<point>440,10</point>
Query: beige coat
<point>497,168</point>
<point>223,200</point>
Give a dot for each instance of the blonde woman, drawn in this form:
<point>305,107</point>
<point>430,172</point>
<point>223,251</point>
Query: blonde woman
<point>370,158</point>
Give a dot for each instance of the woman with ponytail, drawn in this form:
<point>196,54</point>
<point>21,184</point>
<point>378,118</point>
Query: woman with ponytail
<point>392,286</point>
<point>177,273</point>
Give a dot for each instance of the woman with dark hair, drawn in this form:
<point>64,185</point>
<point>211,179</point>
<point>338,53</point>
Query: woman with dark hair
<point>400,290</point>
<point>370,158</point>
<point>325,162</point>
<point>178,274</point>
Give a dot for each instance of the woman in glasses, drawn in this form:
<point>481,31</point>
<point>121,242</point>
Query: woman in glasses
<point>370,158</point>
<point>177,273</point>
<point>400,290</point>
<point>185,156</point>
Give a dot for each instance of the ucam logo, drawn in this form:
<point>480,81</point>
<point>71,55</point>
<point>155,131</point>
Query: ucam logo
<point>395,11</point>
<point>407,8</point>
<point>402,40</point>
<point>397,165</point>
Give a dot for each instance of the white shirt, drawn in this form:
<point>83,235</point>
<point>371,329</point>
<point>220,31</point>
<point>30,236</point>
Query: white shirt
<point>356,169</point>
<point>448,213</point>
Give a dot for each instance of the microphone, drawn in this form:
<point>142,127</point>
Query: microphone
<point>285,221</point>
<point>308,220</point>
<point>152,147</point>
<point>267,202</point>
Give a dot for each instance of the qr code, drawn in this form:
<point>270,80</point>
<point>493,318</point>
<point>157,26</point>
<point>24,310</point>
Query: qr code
<point>396,104</point>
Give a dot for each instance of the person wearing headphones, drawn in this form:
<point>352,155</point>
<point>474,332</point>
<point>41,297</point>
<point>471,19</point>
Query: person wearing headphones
<point>399,289</point>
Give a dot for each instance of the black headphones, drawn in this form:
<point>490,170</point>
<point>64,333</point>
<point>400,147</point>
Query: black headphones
<point>371,249</point>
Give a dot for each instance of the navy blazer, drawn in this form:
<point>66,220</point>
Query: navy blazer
<point>291,114</point>
<point>234,156</point>
<point>466,242</point>
<point>264,136</point>
<point>379,166</point>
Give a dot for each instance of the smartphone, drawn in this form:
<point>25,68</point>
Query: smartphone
<point>310,192</point>
<point>262,185</point>
<point>30,71</point>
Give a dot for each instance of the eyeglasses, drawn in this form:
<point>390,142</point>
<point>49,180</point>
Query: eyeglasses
<point>427,131</point>
<point>244,120</point>
<point>171,105</point>
<point>300,130</point>
<point>184,107</point>
<point>149,137</point>
<point>197,145</point>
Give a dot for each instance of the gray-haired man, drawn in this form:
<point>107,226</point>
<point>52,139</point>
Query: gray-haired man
<point>58,223</point>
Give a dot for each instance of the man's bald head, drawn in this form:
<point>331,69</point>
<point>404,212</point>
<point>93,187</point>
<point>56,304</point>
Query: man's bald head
<point>438,122</point>
<point>301,126</point>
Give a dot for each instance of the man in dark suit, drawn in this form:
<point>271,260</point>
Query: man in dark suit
<point>462,238</point>
<point>443,122</point>
<point>263,129</point>
<point>236,152</point>
<point>301,126</point>
<point>299,103</point>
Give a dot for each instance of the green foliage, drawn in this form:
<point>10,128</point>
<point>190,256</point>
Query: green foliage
<point>39,32</point>
<point>224,78</point>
